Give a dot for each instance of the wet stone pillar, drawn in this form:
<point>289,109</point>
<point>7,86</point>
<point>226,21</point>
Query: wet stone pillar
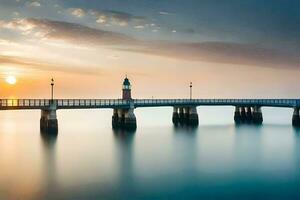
<point>181,115</point>
<point>296,118</point>
<point>121,117</point>
<point>249,115</point>
<point>52,119</point>
<point>186,115</point>
<point>257,115</point>
<point>118,118</point>
<point>129,119</point>
<point>48,121</point>
<point>237,115</point>
<point>44,120</point>
<point>175,117</point>
<point>193,118</point>
<point>115,119</point>
<point>243,114</point>
<point>124,118</point>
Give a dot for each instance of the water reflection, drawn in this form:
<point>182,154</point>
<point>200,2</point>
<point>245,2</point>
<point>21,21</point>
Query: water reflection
<point>124,141</point>
<point>155,162</point>
<point>185,129</point>
<point>296,130</point>
<point>185,146</point>
<point>247,141</point>
<point>48,140</point>
<point>51,186</point>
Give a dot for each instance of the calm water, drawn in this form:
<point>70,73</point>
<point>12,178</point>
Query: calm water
<point>88,160</point>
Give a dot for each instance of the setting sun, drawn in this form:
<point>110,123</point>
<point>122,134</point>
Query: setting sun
<point>11,80</point>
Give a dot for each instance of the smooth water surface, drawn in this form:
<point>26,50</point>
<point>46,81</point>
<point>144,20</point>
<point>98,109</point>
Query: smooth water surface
<point>88,160</point>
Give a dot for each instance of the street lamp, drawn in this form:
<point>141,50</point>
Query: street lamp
<point>52,85</point>
<point>191,90</point>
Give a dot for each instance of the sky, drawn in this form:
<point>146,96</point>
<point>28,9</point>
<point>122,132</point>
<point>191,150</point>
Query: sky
<point>227,48</point>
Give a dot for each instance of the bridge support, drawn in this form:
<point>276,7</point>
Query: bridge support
<point>185,116</point>
<point>124,119</point>
<point>237,115</point>
<point>44,120</point>
<point>115,119</point>
<point>251,115</point>
<point>243,114</point>
<point>257,115</point>
<point>296,118</point>
<point>130,119</point>
<point>175,117</point>
<point>193,118</point>
<point>181,115</point>
<point>48,121</point>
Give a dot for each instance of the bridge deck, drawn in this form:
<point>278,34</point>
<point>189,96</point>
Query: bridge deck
<point>16,104</point>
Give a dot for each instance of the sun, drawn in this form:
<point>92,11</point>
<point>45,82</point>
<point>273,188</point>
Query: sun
<point>11,80</point>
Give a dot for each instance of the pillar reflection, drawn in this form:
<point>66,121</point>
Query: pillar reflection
<point>124,140</point>
<point>49,165</point>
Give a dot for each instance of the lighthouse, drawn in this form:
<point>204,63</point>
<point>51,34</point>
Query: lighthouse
<point>124,118</point>
<point>126,89</point>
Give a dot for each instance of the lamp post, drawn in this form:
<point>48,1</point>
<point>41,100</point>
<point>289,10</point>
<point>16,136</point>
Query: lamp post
<point>52,85</point>
<point>191,90</point>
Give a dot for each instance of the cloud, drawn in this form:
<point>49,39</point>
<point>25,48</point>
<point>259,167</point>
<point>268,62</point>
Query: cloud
<point>23,25</point>
<point>217,52</point>
<point>164,13</point>
<point>8,42</point>
<point>69,32</point>
<point>77,12</point>
<point>45,66</point>
<point>222,52</point>
<point>34,4</point>
<point>139,27</point>
<point>117,18</point>
<point>101,19</point>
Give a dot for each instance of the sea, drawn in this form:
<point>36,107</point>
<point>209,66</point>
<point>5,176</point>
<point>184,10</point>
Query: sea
<point>89,160</point>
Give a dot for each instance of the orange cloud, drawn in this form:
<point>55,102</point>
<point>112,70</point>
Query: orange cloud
<point>46,66</point>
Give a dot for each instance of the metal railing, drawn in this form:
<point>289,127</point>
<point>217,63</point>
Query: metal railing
<point>233,102</point>
<point>65,103</point>
<point>115,103</point>
<point>62,103</point>
<point>24,102</point>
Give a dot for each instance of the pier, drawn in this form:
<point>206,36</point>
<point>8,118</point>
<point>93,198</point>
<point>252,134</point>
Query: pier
<point>247,111</point>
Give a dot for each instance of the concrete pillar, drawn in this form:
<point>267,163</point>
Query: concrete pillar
<point>243,114</point>
<point>296,118</point>
<point>237,115</point>
<point>186,115</point>
<point>181,115</point>
<point>257,115</point>
<point>249,114</point>
<point>130,119</point>
<point>44,120</point>
<point>48,121</point>
<point>193,119</point>
<point>115,119</point>
<point>175,117</point>
<point>124,118</point>
<point>52,122</point>
<point>121,117</point>
<point>118,118</point>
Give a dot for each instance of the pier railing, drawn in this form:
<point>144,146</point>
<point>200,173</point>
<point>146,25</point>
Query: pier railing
<point>120,103</point>
<point>217,102</point>
<point>62,103</point>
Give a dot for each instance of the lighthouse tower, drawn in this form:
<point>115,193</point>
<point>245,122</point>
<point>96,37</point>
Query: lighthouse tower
<point>124,118</point>
<point>126,89</point>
